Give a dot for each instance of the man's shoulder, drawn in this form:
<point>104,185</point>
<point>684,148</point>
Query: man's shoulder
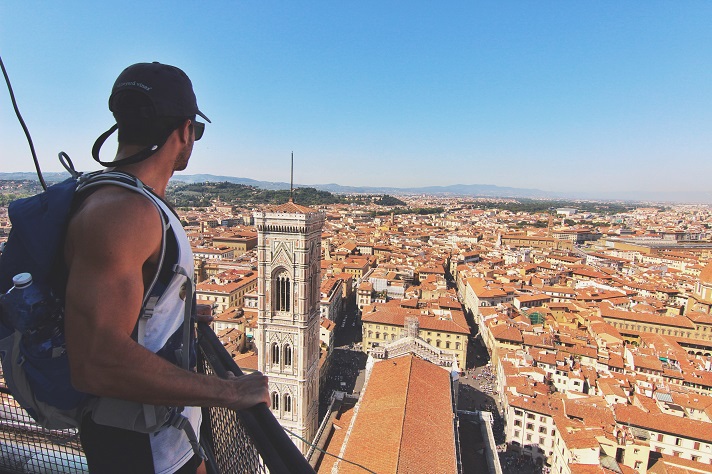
<point>108,199</point>
<point>118,209</point>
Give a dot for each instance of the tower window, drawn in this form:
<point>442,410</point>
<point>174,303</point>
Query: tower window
<point>275,401</point>
<point>283,291</point>
<point>287,403</point>
<point>275,353</point>
<point>287,355</point>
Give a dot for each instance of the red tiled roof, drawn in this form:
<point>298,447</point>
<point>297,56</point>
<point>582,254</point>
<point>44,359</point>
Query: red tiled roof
<point>675,321</point>
<point>405,420</point>
<point>292,208</point>
<point>706,274</point>
<point>664,423</point>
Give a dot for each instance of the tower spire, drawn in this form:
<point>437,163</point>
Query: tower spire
<point>291,182</point>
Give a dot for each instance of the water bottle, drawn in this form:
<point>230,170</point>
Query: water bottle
<point>30,309</point>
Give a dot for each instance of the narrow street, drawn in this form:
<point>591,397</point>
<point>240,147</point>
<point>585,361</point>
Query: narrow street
<point>347,362</point>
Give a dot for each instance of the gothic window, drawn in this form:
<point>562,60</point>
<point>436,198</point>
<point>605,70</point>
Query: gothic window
<point>275,401</point>
<point>287,355</point>
<point>275,353</point>
<point>287,403</point>
<point>282,293</point>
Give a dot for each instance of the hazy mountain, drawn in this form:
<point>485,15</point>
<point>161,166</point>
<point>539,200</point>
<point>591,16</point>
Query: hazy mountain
<point>473,190</point>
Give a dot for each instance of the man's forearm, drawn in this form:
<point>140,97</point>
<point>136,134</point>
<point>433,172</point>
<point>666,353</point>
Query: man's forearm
<point>142,376</point>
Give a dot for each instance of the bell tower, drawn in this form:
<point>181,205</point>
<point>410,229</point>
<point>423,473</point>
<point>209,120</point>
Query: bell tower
<point>289,262</point>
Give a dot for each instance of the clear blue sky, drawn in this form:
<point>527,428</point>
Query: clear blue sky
<point>555,95</point>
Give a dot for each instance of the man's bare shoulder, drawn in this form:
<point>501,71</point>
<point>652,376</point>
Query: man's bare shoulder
<point>114,215</point>
<point>113,203</point>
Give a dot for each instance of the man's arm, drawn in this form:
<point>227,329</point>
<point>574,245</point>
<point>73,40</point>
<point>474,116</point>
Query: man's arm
<point>112,242</point>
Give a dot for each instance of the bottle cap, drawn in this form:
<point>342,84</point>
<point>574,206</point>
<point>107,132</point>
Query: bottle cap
<point>22,280</point>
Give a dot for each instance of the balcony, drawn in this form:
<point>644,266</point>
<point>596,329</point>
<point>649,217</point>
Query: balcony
<point>249,441</point>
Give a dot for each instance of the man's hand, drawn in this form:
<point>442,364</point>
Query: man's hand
<point>249,390</point>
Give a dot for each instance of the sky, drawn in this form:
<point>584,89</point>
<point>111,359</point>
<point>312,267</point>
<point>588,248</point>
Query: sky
<point>600,97</point>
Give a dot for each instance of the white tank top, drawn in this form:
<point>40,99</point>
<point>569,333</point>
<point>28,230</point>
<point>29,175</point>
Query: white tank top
<point>170,446</point>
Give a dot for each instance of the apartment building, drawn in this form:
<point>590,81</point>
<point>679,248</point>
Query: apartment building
<point>331,299</point>
<point>225,294</point>
<point>446,330</point>
<point>671,435</point>
<point>240,243</point>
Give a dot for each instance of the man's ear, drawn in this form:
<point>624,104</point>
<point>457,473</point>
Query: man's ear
<point>184,131</point>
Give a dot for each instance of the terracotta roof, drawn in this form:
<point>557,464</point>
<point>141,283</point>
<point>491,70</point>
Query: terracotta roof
<point>246,361</point>
<point>663,423</point>
<point>649,318</point>
<point>506,332</point>
<point>706,274</point>
<point>667,464</point>
<point>405,420</point>
<point>292,208</point>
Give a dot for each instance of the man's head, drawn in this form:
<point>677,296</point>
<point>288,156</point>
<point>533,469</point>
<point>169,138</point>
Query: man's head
<point>149,101</point>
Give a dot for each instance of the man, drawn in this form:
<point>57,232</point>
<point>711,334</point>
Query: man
<point>112,252</point>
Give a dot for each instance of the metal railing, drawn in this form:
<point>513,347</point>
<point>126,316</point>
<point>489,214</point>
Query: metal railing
<point>245,442</point>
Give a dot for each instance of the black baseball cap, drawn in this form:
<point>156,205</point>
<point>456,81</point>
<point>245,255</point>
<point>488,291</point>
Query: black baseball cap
<point>169,91</point>
<point>168,88</point>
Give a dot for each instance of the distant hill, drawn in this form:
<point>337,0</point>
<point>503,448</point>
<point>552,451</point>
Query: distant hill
<point>472,190</point>
<point>32,176</point>
<point>201,194</point>
<point>484,190</point>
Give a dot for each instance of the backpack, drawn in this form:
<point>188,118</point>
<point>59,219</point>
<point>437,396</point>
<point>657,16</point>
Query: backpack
<point>42,386</point>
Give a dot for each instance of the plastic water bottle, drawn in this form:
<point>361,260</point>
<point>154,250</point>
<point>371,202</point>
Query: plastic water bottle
<point>29,308</point>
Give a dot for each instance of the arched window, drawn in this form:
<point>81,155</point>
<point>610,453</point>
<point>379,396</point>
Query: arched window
<point>287,403</point>
<point>282,293</point>
<point>457,346</point>
<point>275,353</point>
<point>447,344</point>
<point>287,355</point>
<point>275,401</point>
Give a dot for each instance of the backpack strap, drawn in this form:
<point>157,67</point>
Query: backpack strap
<point>183,354</point>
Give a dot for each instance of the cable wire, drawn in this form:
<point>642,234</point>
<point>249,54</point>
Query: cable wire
<point>326,452</point>
<point>24,127</point>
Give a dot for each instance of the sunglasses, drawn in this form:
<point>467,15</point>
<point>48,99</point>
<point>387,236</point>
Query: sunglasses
<point>198,129</point>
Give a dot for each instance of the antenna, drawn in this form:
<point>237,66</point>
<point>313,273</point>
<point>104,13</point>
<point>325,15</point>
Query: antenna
<point>291,182</point>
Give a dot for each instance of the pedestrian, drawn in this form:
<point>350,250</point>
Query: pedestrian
<point>112,252</point>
